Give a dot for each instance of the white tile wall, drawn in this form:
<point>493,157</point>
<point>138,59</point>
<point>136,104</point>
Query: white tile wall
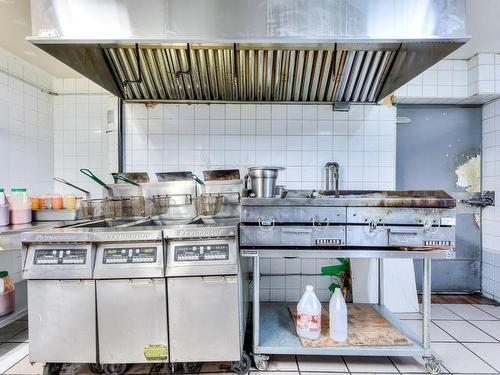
<point>444,82</point>
<point>25,126</point>
<point>491,215</point>
<point>83,138</point>
<point>484,74</point>
<point>301,138</point>
<point>473,81</point>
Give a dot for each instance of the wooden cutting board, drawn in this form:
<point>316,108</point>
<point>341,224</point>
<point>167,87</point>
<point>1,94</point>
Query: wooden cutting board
<point>365,327</point>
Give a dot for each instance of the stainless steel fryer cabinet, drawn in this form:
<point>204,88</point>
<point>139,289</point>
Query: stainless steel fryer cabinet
<point>132,320</point>
<point>61,310</point>
<point>204,318</point>
<point>131,302</point>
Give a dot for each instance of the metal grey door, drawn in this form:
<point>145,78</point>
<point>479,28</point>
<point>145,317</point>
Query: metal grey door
<point>132,320</point>
<point>62,321</point>
<point>203,319</point>
<point>439,147</point>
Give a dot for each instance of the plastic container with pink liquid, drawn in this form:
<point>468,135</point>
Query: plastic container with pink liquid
<point>20,206</point>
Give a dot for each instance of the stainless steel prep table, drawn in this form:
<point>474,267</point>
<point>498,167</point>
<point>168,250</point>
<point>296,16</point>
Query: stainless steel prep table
<point>271,336</point>
<point>357,224</point>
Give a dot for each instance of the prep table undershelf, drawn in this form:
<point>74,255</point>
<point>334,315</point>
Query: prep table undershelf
<point>273,327</point>
<point>278,336</point>
<point>21,305</point>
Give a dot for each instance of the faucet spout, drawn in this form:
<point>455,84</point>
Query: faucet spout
<point>332,175</point>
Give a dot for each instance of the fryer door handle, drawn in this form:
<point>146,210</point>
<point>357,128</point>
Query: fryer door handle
<point>296,231</point>
<point>405,231</point>
<point>213,279</point>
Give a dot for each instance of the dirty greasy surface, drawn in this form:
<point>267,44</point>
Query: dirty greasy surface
<point>360,198</point>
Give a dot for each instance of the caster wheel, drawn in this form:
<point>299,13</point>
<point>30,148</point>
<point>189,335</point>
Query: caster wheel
<point>95,368</point>
<point>52,368</point>
<point>261,362</point>
<point>173,368</point>
<point>243,366</point>
<point>191,367</point>
<point>115,369</point>
<point>433,366</point>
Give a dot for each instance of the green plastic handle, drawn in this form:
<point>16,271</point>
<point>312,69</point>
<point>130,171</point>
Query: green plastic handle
<point>88,173</point>
<point>127,180</point>
<point>195,177</point>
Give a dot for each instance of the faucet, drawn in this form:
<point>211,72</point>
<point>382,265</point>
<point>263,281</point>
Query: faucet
<point>331,174</point>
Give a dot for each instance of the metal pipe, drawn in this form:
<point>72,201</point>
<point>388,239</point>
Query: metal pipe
<point>332,175</point>
<point>426,304</point>
<point>139,72</point>
<point>121,135</point>
<point>256,301</point>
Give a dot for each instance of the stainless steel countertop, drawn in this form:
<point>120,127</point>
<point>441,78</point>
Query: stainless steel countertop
<point>10,235</point>
<point>150,231</point>
<point>358,198</point>
<point>19,228</point>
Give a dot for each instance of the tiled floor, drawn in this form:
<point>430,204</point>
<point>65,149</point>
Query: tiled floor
<point>466,337</point>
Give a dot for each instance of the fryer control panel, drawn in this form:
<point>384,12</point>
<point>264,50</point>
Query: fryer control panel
<point>129,255</point>
<point>60,256</point>
<point>201,252</point>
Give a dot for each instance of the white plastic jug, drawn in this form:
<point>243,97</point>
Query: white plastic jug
<point>338,316</point>
<point>309,315</point>
<point>4,209</point>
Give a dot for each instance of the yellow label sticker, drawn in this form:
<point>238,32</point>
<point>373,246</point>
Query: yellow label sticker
<point>155,352</point>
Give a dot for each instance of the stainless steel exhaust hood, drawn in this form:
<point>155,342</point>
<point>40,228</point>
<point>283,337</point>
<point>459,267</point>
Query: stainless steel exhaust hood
<point>319,51</point>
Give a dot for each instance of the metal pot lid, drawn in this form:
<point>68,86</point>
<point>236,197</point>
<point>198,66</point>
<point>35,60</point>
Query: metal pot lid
<point>264,167</point>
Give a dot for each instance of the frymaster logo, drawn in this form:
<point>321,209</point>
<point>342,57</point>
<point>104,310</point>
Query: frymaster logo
<point>200,232</point>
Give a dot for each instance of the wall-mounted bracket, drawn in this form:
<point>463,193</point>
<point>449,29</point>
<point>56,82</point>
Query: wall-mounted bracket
<point>484,199</point>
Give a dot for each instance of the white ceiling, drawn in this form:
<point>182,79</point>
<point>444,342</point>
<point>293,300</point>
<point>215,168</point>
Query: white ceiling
<point>483,24</point>
<point>15,25</point>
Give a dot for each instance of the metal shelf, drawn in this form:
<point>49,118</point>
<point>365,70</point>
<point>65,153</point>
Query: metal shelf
<point>21,305</point>
<point>347,253</point>
<point>274,330</point>
<point>278,336</point>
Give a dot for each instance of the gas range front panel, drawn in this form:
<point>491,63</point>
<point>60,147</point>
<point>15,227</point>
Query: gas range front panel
<point>201,257</point>
<point>201,252</point>
<point>129,260</point>
<point>59,261</point>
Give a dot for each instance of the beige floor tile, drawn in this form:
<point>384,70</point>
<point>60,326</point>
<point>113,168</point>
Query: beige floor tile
<point>282,363</point>
<point>440,312</point>
<point>369,364</point>
<point>10,354</point>
<point>24,367</point>
<point>437,334</point>
<point>488,352</point>
<point>464,331</point>
<point>490,327</point>
<point>469,312</point>
<point>412,365</point>
<point>458,359</point>
<point>321,363</point>
<point>490,309</point>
